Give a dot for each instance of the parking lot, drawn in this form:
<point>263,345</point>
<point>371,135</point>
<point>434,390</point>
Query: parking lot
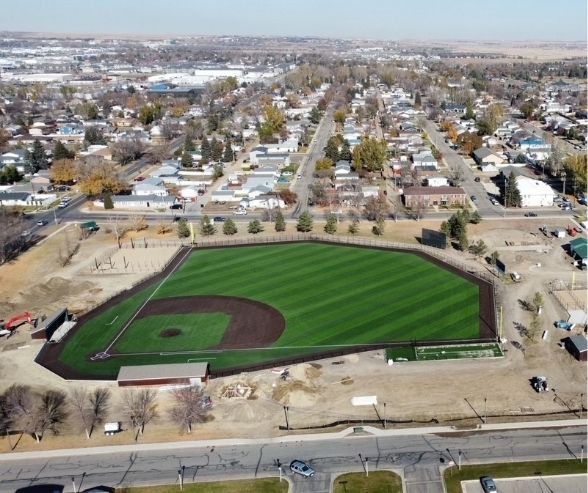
<point>543,484</point>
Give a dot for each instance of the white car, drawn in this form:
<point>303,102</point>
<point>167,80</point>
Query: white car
<point>241,212</point>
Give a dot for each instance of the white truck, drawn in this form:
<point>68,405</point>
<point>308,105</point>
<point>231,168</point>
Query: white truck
<point>113,428</point>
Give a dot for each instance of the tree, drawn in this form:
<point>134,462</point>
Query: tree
<point>49,415</point>
<point>345,153</point>
<point>377,208</point>
<point>140,408</point>
<point>470,142</point>
<point>189,143</point>
<point>494,256</point>
<point>417,100</point>
<point>9,175</point>
<point>378,228</point>
<point>108,204</point>
<point>575,167</point>
<point>353,227</point>
<point>228,155</point>
<point>254,227</point>
<point>331,225</point>
<point>36,158</point>
<point>62,152</point>
<point>324,164</point>
<point>149,113</point>
<point>527,109</point>
<point>469,114</point>
<point>305,222</point>
<point>216,149</point>
<point>99,400</point>
<point>229,227</point>
<point>18,408</point>
<point>280,224</point>
<point>512,195</point>
<point>80,404</point>
<point>521,158</point>
<point>478,249</point>
<point>370,154</point>
<point>538,301</point>
<point>188,407</point>
<point>205,150</point>
<point>183,229</point>
<point>186,160</point>
<point>125,151</point>
<point>315,116</point>
<point>491,119</point>
<point>64,171</point>
<point>206,227</point>
<point>93,135</point>
<point>462,240</point>
<point>332,150</point>
<point>288,196</point>
<point>339,117</point>
<point>95,179</point>
<point>475,217</point>
<point>274,121</point>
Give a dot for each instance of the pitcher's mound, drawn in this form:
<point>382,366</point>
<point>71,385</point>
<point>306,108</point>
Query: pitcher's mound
<point>171,332</point>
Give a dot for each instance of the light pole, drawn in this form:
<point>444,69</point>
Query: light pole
<point>384,415</point>
<point>181,476</point>
<point>581,404</point>
<point>485,410</point>
<point>286,415</point>
<point>563,175</point>
<point>367,471</point>
<point>73,482</point>
<point>459,460</point>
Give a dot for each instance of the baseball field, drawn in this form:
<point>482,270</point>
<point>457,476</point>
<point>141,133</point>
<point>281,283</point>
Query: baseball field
<point>245,306</point>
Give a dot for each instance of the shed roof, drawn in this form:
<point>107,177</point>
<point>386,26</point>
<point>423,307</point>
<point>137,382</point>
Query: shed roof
<point>580,343</point>
<point>434,191</point>
<point>163,371</point>
<point>579,247</point>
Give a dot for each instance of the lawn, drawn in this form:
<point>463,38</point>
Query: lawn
<point>199,331</point>
<point>330,296</point>
<point>453,476</point>
<point>375,482</point>
<point>265,485</point>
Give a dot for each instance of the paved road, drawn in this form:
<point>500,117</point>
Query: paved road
<point>306,169</point>
<point>418,456</point>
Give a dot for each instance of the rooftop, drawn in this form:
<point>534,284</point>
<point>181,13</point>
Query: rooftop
<point>163,371</point>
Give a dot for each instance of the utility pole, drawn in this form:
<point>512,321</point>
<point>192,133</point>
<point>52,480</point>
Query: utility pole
<point>73,482</point>
<point>181,477</point>
<point>459,460</point>
<point>385,415</point>
<point>485,410</point>
<point>581,400</point>
<point>286,414</point>
<point>367,471</point>
<point>582,454</point>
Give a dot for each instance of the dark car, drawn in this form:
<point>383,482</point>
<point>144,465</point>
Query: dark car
<point>488,484</point>
<point>176,206</point>
<point>176,219</point>
<point>474,198</point>
<point>139,178</point>
<point>477,179</point>
<point>300,467</point>
<point>530,214</point>
<point>219,219</point>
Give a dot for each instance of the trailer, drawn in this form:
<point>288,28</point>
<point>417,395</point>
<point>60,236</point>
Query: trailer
<point>112,428</point>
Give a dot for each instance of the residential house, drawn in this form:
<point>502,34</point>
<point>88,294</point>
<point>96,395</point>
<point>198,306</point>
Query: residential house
<point>16,158</point>
<point>415,197</point>
<point>342,168</point>
<point>483,155</point>
<point>142,201</point>
<point>437,181</point>
<point>150,186</point>
<point>534,193</point>
<point>424,160</point>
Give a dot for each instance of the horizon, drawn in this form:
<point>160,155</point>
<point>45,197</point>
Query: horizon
<point>524,21</point>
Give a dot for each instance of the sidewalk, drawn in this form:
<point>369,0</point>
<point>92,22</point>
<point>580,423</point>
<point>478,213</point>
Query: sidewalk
<point>347,433</point>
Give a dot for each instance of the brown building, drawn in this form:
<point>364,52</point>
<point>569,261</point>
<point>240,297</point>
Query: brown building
<point>434,196</point>
<point>162,375</point>
<point>577,346</point>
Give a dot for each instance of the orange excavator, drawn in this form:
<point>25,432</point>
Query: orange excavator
<point>15,322</point>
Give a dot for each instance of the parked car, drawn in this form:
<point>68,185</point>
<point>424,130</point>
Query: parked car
<point>176,206</point>
<point>62,205</point>
<point>176,219</point>
<point>474,198</point>
<point>494,202</point>
<point>530,214</point>
<point>241,212</point>
<point>219,219</point>
<point>42,222</point>
<point>300,467</point>
<point>139,178</point>
<point>488,484</point>
<point>477,179</point>
<point>515,276</point>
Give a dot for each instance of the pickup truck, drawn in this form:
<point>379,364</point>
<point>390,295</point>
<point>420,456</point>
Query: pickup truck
<point>562,324</point>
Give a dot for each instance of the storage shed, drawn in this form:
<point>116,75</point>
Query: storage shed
<point>577,346</point>
<point>164,374</point>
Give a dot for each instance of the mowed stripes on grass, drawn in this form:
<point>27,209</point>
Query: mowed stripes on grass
<point>329,296</point>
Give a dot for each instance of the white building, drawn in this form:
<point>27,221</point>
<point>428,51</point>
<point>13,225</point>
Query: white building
<point>534,193</point>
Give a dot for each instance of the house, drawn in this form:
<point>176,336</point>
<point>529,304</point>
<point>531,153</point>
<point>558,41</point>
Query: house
<point>150,186</point>
<point>370,191</point>
<point>142,201</point>
<point>342,168</point>
<point>224,195</point>
<point>437,181</point>
<point>41,180</point>
<point>415,197</point>
<point>534,193</point>
<point>489,168</point>
<point>263,201</point>
<point>16,158</point>
<point>579,250</point>
<point>15,198</point>
<point>424,160</point>
<point>166,170</point>
<point>531,143</point>
<point>483,155</point>
<point>577,346</point>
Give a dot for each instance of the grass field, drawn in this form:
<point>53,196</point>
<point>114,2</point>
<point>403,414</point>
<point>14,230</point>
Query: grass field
<point>375,482</point>
<point>435,353</point>
<point>265,485</point>
<point>330,296</point>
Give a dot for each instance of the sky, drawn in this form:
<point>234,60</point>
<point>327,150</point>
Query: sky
<point>500,20</point>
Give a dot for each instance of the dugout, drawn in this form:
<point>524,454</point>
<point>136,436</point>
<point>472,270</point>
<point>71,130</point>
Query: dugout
<point>161,375</point>
<point>51,326</point>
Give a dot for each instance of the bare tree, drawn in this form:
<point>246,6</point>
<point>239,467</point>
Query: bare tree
<point>99,403</point>
<point>377,208</point>
<point>49,415</point>
<point>127,150</point>
<point>80,403</point>
<point>188,407</point>
<point>19,405</point>
<point>140,408</point>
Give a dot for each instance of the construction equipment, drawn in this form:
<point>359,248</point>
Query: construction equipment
<point>540,384</point>
<point>17,321</point>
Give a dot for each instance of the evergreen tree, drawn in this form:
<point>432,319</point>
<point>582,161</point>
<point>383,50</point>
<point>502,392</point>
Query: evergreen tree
<point>186,161</point>
<point>189,144</point>
<point>94,136</point>
<point>462,240</point>
<point>494,256</point>
<point>417,100</point>
<point>475,217</point>
<point>469,114</point>
<point>280,224</point>
<point>378,228</point>
<point>228,155</point>
<point>36,158</point>
<point>183,229</point>
<point>332,150</point>
<point>62,152</point>
<point>205,150</point>
<point>216,149</point>
<point>229,227</point>
<point>331,226</point>
<point>255,227</point>
<point>354,227</point>
<point>345,153</point>
<point>108,202</point>
<point>206,227</point>
<point>305,222</point>
<point>315,115</point>
<point>512,194</point>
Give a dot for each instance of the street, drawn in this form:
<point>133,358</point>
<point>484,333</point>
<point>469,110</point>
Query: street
<point>419,456</point>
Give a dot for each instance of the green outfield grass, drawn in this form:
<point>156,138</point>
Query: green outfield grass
<point>330,296</point>
<point>199,331</point>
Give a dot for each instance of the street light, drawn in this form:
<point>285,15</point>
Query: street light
<point>563,176</point>
<point>73,482</point>
<point>485,410</point>
<point>384,415</point>
<point>286,414</point>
